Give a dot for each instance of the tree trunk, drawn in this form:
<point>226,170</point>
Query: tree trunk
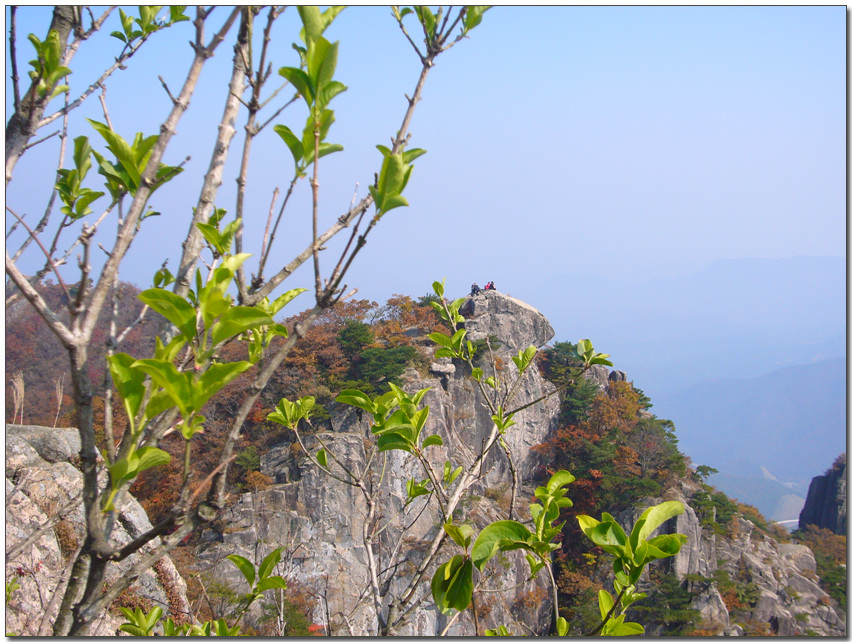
<point>23,124</point>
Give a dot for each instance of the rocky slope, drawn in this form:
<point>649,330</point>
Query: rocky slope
<point>779,579</point>
<point>42,481</point>
<point>320,520</point>
<point>826,503</point>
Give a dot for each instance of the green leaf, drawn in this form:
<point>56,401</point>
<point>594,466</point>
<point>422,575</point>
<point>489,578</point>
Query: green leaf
<point>410,155</point>
<point>664,546</point>
<point>559,479</point>
<point>130,384</point>
<point>246,568</point>
<point>159,402</point>
<point>561,626</point>
<point>81,206</point>
<point>438,288</point>
<point>269,562</point>
<point>278,304</point>
<point>327,148</point>
<point>460,589</point>
<point>149,457</point>
<point>313,23</point>
<point>215,378</point>
<point>321,458</point>
<point>626,628</point>
<point>322,61</point>
<point>653,517</point>
<point>174,308</point>
<point>604,602</point>
<point>292,142</point>
<point>178,385</point>
<point>496,537</point>
<point>449,474</point>
<point>427,19</point>
<point>237,320</point>
<point>393,201</point>
<point>358,399</point>
<point>607,534</point>
<point>394,441</point>
<point>461,534</point>
<point>122,152</point>
<point>191,427</point>
<point>441,339</point>
<point>452,584</point>
<point>415,490</point>
<point>268,583</point>
<point>473,16</point>
<point>433,440</point>
<point>300,81</point>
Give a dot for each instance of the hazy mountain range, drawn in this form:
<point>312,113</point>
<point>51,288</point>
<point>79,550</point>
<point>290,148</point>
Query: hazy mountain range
<point>769,435</point>
<point>747,357</point>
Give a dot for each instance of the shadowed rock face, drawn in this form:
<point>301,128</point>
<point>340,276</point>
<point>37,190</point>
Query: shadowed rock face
<point>826,503</point>
<point>41,479</point>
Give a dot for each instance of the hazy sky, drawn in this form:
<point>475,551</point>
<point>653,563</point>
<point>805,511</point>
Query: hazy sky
<point>616,141</point>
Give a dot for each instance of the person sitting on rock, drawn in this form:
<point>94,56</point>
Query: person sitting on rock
<point>474,290</point>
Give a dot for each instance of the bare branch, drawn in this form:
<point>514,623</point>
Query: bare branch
<point>13,57</point>
<point>275,193</point>
<point>43,249</point>
<point>102,98</point>
<point>265,254</point>
<point>125,55</point>
<point>192,245</point>
<point>168,92</point>
<point>42,224</point>
<point>40,140</point>
<point>127,232</point>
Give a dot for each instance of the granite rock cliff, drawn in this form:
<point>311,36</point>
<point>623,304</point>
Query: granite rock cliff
<point>320,520</point>
<point>43,482</point>
<point>786,598</point>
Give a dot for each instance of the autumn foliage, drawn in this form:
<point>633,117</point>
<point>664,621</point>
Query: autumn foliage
<point>319,365</point>
<point>619,453</point>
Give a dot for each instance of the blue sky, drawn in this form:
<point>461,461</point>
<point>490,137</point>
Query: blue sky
<point>622,142</point>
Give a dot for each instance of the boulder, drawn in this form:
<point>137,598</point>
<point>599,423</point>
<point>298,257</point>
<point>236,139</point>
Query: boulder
<point>42,480</point>
<point>516,324</point>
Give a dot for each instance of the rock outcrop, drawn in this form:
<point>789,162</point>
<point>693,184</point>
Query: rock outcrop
<point>786,598</point>
<point>42,481</point>
<point>320,520</point>
<point>826,503</point>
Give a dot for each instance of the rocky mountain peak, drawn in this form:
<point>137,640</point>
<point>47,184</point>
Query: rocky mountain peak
<point>516,324</point>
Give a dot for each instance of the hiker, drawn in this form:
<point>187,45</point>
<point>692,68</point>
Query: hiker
<point>474,290</point>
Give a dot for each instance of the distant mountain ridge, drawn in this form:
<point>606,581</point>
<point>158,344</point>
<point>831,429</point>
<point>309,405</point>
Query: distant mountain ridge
<point>699,346</point>
<point>790,421</point>
<point>736,317</point>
